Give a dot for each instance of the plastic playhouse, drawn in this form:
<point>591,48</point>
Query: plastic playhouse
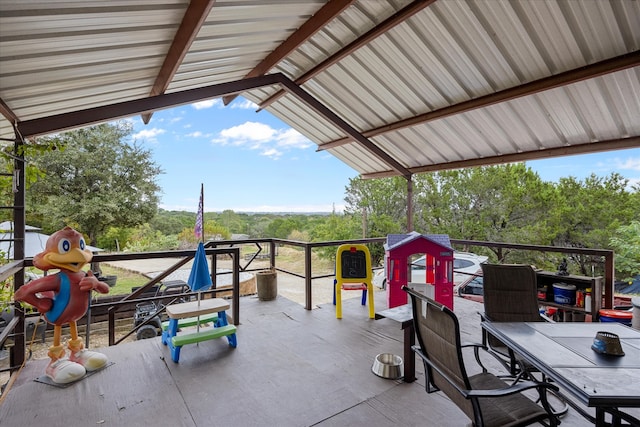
<point>438,263</point>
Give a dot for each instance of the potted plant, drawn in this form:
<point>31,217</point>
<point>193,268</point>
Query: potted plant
<point>6,301</point>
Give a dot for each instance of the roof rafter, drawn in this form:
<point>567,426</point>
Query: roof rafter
<point>7,112</point>
<point>60,122</point>
<point>318,21</point>
<point>321,109</point>
<point>590,147</point>
<point>89,116</point>
<point>195,15</point>
<point>395,19</point>
<point>611,65</point>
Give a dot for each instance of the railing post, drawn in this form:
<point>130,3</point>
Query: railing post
<point>112,326</point>
<point>214,269</point>
<point>88,329</point>
<point>236,285</point>
<point>272,254</point>
<point>609,271</point>
<point>307,277</point>
<point>19,221</point>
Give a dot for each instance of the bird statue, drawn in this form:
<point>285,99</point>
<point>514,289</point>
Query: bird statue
<point>63,298</point>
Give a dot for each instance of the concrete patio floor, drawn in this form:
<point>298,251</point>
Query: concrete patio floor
<point>292,367</point>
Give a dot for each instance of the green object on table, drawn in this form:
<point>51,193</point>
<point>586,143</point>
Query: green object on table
<point>209,334</point>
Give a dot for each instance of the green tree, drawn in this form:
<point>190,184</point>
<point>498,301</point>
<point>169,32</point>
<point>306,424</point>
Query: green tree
<point>301,236</point>
<point>145,239</point>
<point>232,221</point>
<point>173,222</point>
<point>589,212</point>
<point>335,227</point>
<point>32,173</point>
<point>626,244</point>
<point>381,204</point>
<point>506,203</point>
<point>96,180</point>
<point>212,230</point>
<point>116,238</point>
<point>282,227</point>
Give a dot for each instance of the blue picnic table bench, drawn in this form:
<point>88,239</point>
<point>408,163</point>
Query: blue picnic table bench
<point>196,313</point>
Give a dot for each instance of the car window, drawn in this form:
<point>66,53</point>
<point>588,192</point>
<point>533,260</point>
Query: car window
<point>462,263</point>
<point>474,287</point>
<point>419,264</point>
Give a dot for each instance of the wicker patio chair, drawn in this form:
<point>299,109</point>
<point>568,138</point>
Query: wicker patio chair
<point>485,398</point>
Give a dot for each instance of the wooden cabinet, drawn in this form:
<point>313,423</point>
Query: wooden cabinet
<point>548,278</point>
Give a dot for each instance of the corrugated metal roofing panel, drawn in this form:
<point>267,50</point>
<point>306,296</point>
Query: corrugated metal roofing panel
<point>59,56</point>
<point>464,50</point>
<point>242,33</point>
<point>309,123</point>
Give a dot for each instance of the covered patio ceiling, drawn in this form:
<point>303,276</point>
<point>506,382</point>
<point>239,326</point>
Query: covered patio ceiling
<point>390,88</point>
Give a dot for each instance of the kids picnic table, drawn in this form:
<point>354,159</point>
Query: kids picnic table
<point>195,313</point>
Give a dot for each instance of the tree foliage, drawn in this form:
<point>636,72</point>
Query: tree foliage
<point>380,203</point>
<point>589,212</point>
<point>7,168</point>
<point>626,244</point>
<point>96,179</point>
<point>145,239</point>
<point>212,230</point>
<point>336,227</point>
<point>496,203</point>
<point>507,203</point>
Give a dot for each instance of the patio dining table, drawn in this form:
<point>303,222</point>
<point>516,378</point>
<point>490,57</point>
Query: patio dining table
<point>563,352</point>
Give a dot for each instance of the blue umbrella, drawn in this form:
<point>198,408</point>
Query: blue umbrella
<point>199,278</point>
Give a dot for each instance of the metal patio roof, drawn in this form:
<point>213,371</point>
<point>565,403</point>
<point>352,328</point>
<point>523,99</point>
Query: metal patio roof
<point>388,87</point>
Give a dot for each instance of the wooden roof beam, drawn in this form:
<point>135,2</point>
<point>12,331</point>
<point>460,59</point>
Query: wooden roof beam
<point>193,19</point>
<point>570,150</point>
<point>318,21</point>
<point>607,66</point>
<point>75,119</point>
<point>7,112</point>
<point>90,116</point>
<point>332,117</point>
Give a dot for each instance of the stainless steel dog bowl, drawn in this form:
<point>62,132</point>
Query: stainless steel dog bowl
<point>387,365</point>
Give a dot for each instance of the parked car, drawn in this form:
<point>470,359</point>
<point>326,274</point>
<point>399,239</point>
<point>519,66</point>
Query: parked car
<point>465,266</point>
<point>472,288</point>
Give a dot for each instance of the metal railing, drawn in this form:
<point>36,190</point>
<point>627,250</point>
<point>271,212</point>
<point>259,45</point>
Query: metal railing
<point>232,248</point>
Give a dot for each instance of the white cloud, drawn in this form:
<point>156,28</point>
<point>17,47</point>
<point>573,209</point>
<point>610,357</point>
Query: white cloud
<point>272,153</point>
<point>149,134</point>
<point>630,163</point>
<point>633,182</point>
<point>248,133</point>
<point>244,104</point>
<point>196,134</point>
<point>206,104</point>
<point>259,136</point>
<point>293,138</point>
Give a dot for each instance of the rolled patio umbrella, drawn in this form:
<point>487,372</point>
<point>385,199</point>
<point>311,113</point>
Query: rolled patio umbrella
<point>199,278</point>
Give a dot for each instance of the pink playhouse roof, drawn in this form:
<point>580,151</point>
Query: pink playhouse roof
<point>398,240</point>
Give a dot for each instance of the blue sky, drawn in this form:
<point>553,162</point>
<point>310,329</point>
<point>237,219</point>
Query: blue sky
<point>253,162</point>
